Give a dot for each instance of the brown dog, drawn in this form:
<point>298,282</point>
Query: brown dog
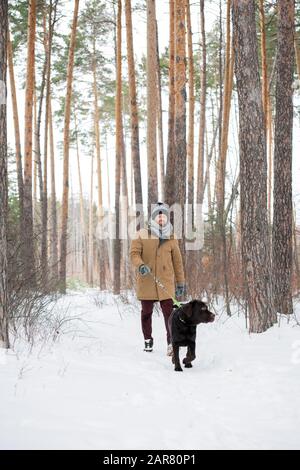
<point>183,323</point>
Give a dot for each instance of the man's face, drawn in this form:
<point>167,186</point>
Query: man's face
<point>161,219</point>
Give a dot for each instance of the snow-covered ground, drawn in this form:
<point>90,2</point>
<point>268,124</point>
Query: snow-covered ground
<point>95,388</point>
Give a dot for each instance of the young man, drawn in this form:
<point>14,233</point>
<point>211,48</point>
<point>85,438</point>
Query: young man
<point>155,254</point>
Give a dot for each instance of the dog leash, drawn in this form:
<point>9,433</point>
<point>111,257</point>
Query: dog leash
<point>160,284</point>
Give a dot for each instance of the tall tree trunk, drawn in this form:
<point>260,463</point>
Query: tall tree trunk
<point>200,192</point>
<point>253,170</point>
<point>297,54</point>
<point>160,123</point>
<point>90,242</point>
<point>134,115</point>
<point>180,111</point>
<point>28,249</point>
<point>191,83</point>
<point>221,168</point>
<point>228,82</point>
<point>283,207</point>
<point>119,152</point>
<point>170,171</point>
<point>48,52</point>
<point>65,197</point>
<point>151,104</point>
<point>101,245</point>
<point>16,130</point>
<point>84,227</point>
<point>4,307</point>
<point>53,232</point>
<point>266,99</point>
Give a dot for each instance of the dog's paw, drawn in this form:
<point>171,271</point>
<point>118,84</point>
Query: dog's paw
<point>178,369</point>
<point>188,365</point>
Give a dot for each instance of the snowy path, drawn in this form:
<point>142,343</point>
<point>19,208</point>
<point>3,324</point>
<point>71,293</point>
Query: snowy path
<point>97,389</point>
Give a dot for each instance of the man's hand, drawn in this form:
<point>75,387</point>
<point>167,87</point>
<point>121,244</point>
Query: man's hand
<point>180,290</point>
<point>144,270</point>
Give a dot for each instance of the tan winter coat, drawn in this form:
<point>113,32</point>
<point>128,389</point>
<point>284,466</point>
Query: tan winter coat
<point>165,262</point>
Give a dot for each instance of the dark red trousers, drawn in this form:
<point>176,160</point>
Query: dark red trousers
<point>147,309</point>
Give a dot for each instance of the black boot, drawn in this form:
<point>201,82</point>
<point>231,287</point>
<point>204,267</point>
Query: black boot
<point>148,345</point>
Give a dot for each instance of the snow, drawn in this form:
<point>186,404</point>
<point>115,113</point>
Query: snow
<point>95,387</point>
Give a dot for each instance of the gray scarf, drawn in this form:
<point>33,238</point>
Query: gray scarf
<point>162,232</point>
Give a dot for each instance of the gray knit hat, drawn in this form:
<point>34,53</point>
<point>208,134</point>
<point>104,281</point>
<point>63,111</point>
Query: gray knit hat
<point>160,208</point>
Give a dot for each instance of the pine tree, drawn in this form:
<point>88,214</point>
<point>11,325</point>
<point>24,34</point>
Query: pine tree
<point>4,312</point>
<point>253,170</point>
<point>283,206</point>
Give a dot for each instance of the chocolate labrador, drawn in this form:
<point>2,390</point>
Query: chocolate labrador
<point>183,323</point>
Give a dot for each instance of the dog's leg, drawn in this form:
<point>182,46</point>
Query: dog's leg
<point>192,350</point>
<point>176,357</point>
<point>190,355</point>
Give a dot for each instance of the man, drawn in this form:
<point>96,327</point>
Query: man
<point>155,254</point>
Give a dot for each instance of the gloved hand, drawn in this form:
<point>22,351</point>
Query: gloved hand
<point>144,269</point>
<point>180,290</point>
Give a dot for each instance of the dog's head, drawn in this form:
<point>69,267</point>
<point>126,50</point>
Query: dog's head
<point>196,312</point>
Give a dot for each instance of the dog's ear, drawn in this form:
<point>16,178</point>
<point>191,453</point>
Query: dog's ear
<point>188,310</point>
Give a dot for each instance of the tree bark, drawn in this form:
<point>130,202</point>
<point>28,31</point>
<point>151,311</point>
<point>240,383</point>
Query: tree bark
<point>180,111</point>
<point>66,145</point>
<point>191,84</point>
<point>160,123</point>
<point>282,235</point>
<point>170,171</point>
<point>4,300</point>
<point>266,99</point>
<point>84,228</point>
<point>151,105</point>
<point>253,170</point>
<point>53,232</point>
<point>17,131</point>
<point>134,115</point>
<point>28,250</point>
<point>90,240</point>
<point>200,192</point>
<point>119,152</point>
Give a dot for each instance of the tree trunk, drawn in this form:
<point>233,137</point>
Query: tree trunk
<point>266,99</point>
<point>53,232</point>
<point>200,192</point>
<point>282,236</point>
<point>253,170</point>
<point>101,245</point>
<point>84,228</point>
<point>90,243</point>
<point>17,131</point>
<point>119,151</point>
<point>66,145</point>
<point>4,307</point>
<point>28,250</point>
<point>170,171</point>
<point>191,83</point>
<point>134,115</point>
<point>228,82</point>
<point>151,105</point>
<point>48,33</point>
<point>160,123</point>
<point>180,111</point>
<point>297,54</point>
<point>221,168</point>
